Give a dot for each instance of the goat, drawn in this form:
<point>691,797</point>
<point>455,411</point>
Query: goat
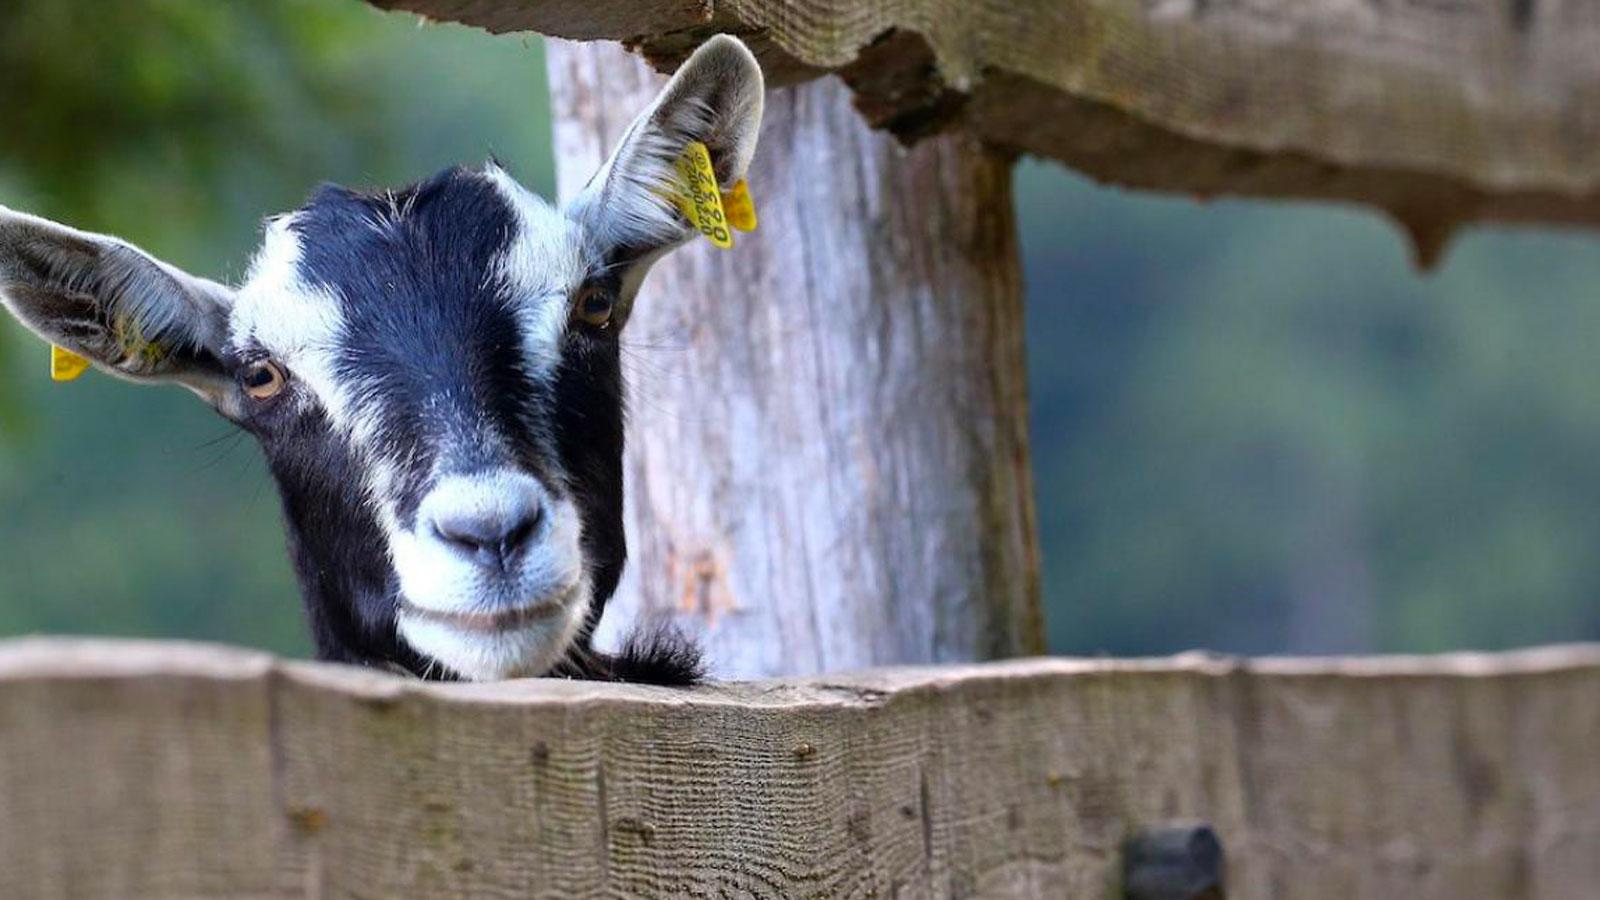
<point>434,377</point>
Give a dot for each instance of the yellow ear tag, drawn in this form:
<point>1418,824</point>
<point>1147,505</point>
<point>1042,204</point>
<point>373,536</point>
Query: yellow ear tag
<point>740,208</point>
<point>130,339</point>
<point>698,197</point>
<point>66,365</point>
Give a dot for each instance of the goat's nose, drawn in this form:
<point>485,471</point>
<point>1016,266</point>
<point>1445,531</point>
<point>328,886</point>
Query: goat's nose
<point>491,534</point>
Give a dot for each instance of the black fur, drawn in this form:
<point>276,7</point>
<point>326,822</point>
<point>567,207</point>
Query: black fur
<point>659,654</point>
<point>336,546</point>
<point>424,322</point>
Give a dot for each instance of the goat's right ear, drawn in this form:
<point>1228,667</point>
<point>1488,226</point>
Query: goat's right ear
<point>126,312</point>
<point>627,210</point>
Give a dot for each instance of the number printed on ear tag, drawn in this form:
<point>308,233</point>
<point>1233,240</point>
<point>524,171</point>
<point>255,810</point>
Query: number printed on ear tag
<point>698,196</point>
<point>66,365</point>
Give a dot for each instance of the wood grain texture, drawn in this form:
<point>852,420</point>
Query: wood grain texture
<point>1438,112</point>
<point>828,463</point>
<point>168,770</point>
<point>575,19</point>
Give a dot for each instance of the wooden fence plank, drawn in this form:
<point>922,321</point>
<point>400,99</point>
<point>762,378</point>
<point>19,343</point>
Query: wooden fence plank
<point>148,769</point>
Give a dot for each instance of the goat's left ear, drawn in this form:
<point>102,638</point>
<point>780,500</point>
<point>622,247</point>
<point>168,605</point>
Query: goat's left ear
<point>627,211</point>
<point>110,302</point>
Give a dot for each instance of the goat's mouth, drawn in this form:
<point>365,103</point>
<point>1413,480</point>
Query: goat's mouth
<point>500,620</point>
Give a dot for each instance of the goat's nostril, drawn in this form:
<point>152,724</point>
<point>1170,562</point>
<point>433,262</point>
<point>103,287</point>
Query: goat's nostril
<point>518,536</point>
<point>490,538</point>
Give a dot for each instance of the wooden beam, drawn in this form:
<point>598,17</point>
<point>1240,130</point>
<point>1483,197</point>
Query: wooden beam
<point>150,769</point>
<point>1439,113</point>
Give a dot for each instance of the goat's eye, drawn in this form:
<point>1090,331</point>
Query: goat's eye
<point>264,380</point>
<point>594,307</point>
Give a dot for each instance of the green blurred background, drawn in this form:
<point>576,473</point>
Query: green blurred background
<point>1256,429</point>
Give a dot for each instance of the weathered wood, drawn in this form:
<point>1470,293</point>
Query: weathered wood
<point>1440,113</point>
<point>828,460</point>
<point>167,770</point>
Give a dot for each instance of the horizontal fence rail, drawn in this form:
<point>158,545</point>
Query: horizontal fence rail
<point>1441,112</point>
<point>140,769</point>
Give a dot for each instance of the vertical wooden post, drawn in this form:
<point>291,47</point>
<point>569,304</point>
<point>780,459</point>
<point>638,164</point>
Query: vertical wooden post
<point>828,461</point>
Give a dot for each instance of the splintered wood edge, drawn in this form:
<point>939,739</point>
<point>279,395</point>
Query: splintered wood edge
<point>46,659</point>
<point>1437,115</point>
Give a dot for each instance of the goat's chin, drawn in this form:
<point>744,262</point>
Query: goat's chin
<point>496,637</point>
<point>478,653</point>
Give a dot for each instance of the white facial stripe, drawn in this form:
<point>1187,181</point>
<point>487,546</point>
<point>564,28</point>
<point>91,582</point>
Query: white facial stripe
<point>297,323</point>
<point>300,325</point>
<point>543,266</point>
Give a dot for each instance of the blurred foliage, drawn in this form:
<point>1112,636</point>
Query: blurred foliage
<point>1256,429</point>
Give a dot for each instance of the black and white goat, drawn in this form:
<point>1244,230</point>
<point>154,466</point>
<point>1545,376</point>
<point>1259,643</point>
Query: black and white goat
<point>433,374</point>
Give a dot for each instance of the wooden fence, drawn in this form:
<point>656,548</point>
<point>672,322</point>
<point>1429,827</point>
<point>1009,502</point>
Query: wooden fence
<point>136,769</point>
